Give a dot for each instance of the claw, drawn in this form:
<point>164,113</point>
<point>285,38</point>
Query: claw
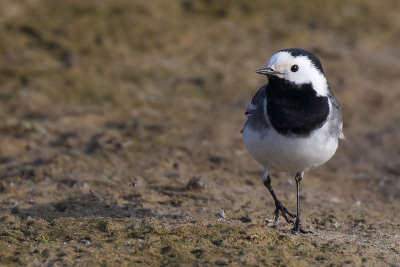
<point>280,208</point>
<point>297,228</point>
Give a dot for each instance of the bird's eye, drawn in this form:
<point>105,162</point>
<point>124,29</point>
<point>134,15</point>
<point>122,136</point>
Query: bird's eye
<point>294,68</point>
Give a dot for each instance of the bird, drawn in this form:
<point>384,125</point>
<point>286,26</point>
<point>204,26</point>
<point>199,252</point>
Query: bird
<point>294,122</point>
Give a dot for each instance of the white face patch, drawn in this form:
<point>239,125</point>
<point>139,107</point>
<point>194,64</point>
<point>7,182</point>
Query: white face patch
<point>283,61</point>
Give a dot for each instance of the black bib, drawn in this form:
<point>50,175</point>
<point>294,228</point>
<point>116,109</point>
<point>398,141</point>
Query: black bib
<point>294,109</point>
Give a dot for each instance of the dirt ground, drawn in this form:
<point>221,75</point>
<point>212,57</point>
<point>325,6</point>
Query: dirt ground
<point>109,108</point>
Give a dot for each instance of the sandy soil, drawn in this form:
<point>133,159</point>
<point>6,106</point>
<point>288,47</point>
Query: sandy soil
<point>108,109</point>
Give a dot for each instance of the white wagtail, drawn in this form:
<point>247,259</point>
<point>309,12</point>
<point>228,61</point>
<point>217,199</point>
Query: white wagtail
<point>293,122</point>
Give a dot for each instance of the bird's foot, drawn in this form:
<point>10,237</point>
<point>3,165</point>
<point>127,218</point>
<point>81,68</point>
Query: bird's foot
<point>298,229</point>
<point>285,213</point>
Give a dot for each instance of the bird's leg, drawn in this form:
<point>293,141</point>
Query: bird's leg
<point>297,225</point>
<point>278,205</point>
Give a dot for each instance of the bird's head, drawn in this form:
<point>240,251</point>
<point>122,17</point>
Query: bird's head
<point>297,66</point>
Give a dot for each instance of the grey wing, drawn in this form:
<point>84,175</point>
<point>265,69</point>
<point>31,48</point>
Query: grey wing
<point>256,104</point>
<point>337,127</point>
<point>256,110</point>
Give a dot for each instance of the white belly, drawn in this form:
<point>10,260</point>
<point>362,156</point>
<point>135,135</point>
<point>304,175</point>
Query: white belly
<point>273,150</point>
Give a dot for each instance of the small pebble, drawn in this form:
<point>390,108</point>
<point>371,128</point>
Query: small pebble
<point>197,183</point>
<point>358,203</point>
<point>85,241</point>
<point>221,215</point>
<point>336,225</point>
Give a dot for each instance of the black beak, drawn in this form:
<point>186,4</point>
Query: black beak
<point>267,71</point>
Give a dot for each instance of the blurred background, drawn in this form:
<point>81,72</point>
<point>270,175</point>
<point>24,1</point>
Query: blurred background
<point>109,108</point>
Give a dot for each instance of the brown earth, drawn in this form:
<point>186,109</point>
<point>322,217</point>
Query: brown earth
<point>109,108</point>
